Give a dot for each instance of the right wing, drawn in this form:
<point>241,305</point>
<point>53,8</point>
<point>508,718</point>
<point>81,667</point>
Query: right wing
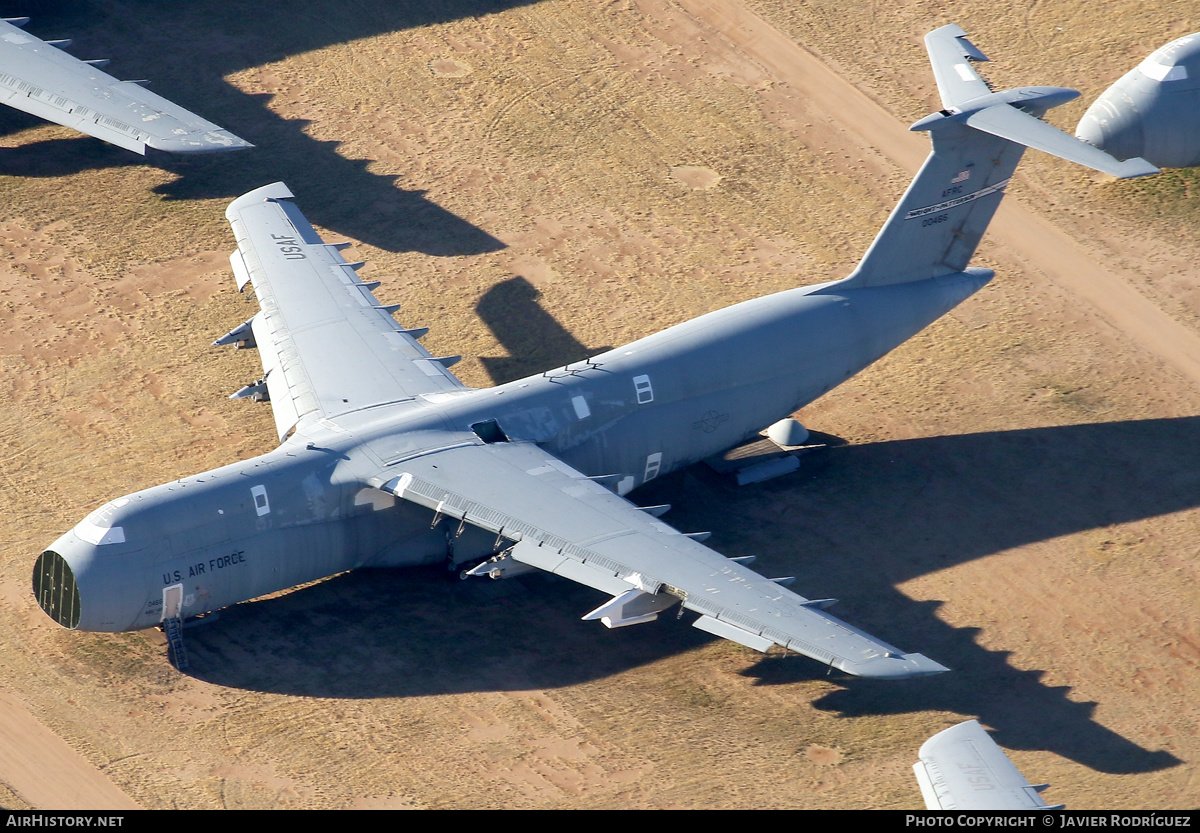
<point>327,345</point>
<point>568,524</point>
<point>39,78</point>
<point>962,768</point>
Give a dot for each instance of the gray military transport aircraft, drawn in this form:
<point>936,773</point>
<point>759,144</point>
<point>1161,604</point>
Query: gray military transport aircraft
<point>387,459</point>
<point>38,77</point>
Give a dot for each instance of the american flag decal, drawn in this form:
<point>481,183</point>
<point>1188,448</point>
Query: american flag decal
<point>961,176</point>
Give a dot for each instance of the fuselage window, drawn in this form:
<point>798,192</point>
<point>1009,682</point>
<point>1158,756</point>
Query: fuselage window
<point>645,393</point>
<point>261,504</point>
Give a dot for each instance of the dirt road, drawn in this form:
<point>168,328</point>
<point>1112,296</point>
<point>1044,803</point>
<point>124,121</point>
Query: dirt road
<point>47,773</point>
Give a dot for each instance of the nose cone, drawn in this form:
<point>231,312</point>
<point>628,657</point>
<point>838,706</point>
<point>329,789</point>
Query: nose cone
<point>56,590</point>
<point>85,587</point>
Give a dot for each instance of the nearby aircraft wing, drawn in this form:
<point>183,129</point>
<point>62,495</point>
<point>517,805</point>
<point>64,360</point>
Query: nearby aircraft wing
<point>39,78</point>
<point>327,345</point>
<point>962,768</point>
<point>567,524</point>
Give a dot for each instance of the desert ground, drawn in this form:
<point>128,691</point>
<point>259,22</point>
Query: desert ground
<point>1017,497</point>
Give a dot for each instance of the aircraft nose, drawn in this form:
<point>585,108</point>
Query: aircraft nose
<point>56,590</point>
<point>81,590</point>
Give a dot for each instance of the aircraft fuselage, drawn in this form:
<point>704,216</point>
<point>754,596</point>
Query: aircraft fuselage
<point>306,510</point>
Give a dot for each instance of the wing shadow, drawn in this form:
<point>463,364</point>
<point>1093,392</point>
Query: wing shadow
<point>944,501</point>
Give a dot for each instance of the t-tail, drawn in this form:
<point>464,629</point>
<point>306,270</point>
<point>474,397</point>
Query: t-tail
<point>978,139</point>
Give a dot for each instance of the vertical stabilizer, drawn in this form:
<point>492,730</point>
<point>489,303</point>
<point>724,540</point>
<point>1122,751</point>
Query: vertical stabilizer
<point>943,214</point>
<point>977,142</point>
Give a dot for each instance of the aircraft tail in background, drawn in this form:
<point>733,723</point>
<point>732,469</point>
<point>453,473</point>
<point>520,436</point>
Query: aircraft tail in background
<point>977,141</point>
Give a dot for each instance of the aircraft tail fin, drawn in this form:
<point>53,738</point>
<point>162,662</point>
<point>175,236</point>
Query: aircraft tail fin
<point>978,139</point>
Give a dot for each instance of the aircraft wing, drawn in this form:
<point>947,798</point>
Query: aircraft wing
<point>565,523</point>
<point>962,768</point>
<point>39,78</point>
<point>327,345</point>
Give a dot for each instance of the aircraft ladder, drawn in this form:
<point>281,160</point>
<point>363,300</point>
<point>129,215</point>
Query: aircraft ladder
<point>173,626</point>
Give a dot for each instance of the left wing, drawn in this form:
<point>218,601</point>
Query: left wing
<point>566,523</point>
<point>327,345</point>
<point>39,78</point>
<point>962,768</point>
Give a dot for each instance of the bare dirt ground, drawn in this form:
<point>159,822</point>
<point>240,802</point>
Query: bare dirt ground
<point>1017,498</point>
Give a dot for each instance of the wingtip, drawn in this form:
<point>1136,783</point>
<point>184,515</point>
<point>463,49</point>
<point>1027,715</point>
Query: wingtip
<point>922,666</point>
<point>895,666</point>
<point>1136,167</point>
<point>213,141</point>
<point>274,191</point>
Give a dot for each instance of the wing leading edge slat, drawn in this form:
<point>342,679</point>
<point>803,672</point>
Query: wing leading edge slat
<point>566,524</point>
<point>327,345</point>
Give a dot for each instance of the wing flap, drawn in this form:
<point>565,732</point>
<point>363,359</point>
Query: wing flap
<point>327,345</point>
<point>545,558</point>
<point>566,524</point>
<point>733,633</point>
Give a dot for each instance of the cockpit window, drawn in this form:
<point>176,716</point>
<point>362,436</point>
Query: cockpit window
<point>97,528</point>
<point>1162,72</point>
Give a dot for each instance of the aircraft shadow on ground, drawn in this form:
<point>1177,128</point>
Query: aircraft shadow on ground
<point>534,339</point>
<point>941,500</point>
<point>187,49</point>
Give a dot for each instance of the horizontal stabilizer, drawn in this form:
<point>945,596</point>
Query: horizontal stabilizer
<point>978,139</point>
<point>1008,122</point>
